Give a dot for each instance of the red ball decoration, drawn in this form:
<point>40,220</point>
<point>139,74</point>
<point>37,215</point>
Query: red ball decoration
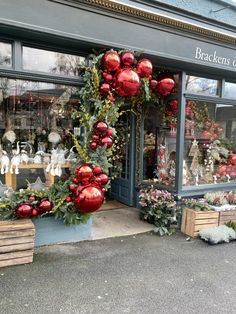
<point>104,178</point>
<point>206,135</point>
<point>107,77</point>
<point>24,210</point>
<point>34,212</point>
<point>101,127</point>
<point>127,58</point>
<point>68,199</point>
<point>83,172</point>
<point>72,187</point>
<point>44,205</point>
<point>144,68</point>
<point>94,137</point>
<point>127,82</point>
<point>97,170</point>
<point>104,89</point>
<point>106,141</point>
<point>173,103</point>
<point>110,61</point>
<point>89,199</point>
<point>32,198</point>
<point>153,84</point>
<point>165,86</point>
<point>109,132</point>
<point>75,180</point>
<point>93,145</point>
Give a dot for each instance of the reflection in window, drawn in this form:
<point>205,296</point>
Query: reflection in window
<point>202,85</point>
<point>230,90</point>
<point>5,54</point>
<point>210,143</point>
<point>34,118</point>
<point>51,62</point>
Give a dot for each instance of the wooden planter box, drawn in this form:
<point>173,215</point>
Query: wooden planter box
<point>194,221</point>
<point>226,216</point>
<point>16,242</point>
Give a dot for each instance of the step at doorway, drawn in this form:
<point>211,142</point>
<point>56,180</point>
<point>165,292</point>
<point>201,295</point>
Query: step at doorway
<point>112,204</point>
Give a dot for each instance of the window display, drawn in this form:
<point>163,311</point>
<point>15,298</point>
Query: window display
<point>210,143</point>
<point>201,85</point>
<point>5,54</point>
<point>34,118</point>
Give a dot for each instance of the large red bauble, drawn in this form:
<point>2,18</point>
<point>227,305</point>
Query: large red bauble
<point>44,205</point>
<point>106,141</point>
<point>127,82</point>
<point>97,170</point>
<point>110,61</point>
<point>93,145</point>
<point>127,58</point>
<point>109,132</point>
<point>89,199</point>
<point>24,210</point>
<point>165,86</point>
<point>104,178</point>
<point>104,88</point>
<point>100,127</point>
<point>144,68</point>
<point>95,137</point>
<point>83,172</point>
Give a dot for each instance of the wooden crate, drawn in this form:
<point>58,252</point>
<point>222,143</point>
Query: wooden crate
<point>16,242</point>
<point>194,221</point>
<point>226,216</point>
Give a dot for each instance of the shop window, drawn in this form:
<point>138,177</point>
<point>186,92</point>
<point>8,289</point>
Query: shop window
<point>34,119</point>
<point>230,90</point>
<point>159,151</point>
<point>201,85</point>
<point>51,62</point>
<point>210,143</point>
<point>5,54</point>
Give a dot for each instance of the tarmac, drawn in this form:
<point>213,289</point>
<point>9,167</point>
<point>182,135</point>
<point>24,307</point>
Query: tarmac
<point>138,274</point>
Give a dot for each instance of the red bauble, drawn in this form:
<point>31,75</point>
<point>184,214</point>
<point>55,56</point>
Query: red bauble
<point>68,199</point>
<point>110,61</point>
<point>24,210</point>
<point>44,205</point>
<point>97,170</point>
<point>100,127</point>
<point>72,187</point>
<point>111,98</point>
<point>104,178</point>
<point>109,132</point>
<point>206,135</point>
<point>127,58</point>
<point>173,103</point>
<point>75,180</point>
<point>104,88</point>
<point>165,86</point>
<point>83,172</point>
<point>94,137</point>
<point>153,84</point>
<point>32,198</point>
<point>34,212</point>
<point>107,77</point>
<point>93,145</point>
<point>127,82</point>
<point>144,68</point>
<point>106,141</point>
<point>89,199</point>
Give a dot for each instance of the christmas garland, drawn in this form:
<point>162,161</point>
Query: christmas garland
<point>112,80</point>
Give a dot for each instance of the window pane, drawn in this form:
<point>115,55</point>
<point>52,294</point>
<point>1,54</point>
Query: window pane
<point>5,54</point>
<point>201,85</point>
<point>34,118</point>
<point>51,62</point>
<point>230,90</point>
<point>210,143</point>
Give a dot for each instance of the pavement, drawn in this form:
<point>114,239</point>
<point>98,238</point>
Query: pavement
<point>141,274</point>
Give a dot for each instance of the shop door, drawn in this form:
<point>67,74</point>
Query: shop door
<point>122,187</point>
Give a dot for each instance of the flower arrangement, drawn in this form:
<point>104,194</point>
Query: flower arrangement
<point>199,204</point>
<point>216,198</point>
<point>159,208</point>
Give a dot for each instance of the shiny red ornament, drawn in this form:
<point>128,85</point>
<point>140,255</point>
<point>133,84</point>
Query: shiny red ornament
<point>44,205</point>
<point>153,84</point>
<point>144,68</point>
<point>34,212</point>
<point>32,198</point>
<point>100,127</point>
<point>104,178</point>
<point>173,103</point>
<point>95,137</point>
<point>127,82</point>
<point>72,187</point>
<point>109,132</point>
<point>83,172</point>
<point>165,86</point>
<point>106,141</point>
<point>93,145</point>
<point>75,180</point>
<point>206,135</point>
<point>96,170</point>
<point>68,199</point>
<point>127,58</point>
<point>107,77</point>
<point>104,89</point>
<point>24,210</point>
<point>89,199</point>
<point>110,61</point>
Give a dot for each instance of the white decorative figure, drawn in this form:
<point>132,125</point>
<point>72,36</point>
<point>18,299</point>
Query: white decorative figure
<point>228,178</point>
<point>15,161</point>
<point>215,179</point>
<point>4,162</point>
<point>53,162</point>
<point>24,158</point>
<point>72,155</point>
<point>38,157</point>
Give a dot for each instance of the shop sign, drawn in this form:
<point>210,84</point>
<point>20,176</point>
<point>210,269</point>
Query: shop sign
<point>214,57</point>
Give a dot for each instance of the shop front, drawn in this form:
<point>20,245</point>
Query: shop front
<point>184,141</point>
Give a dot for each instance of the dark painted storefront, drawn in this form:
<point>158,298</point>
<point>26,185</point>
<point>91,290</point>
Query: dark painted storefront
<point>193,50</point>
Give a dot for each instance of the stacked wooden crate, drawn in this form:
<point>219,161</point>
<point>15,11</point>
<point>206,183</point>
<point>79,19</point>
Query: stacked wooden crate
<point>226,216</point>
<point>16,242</point>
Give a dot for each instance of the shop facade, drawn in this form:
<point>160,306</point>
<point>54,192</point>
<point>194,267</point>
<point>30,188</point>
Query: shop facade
<point>185,143</point>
